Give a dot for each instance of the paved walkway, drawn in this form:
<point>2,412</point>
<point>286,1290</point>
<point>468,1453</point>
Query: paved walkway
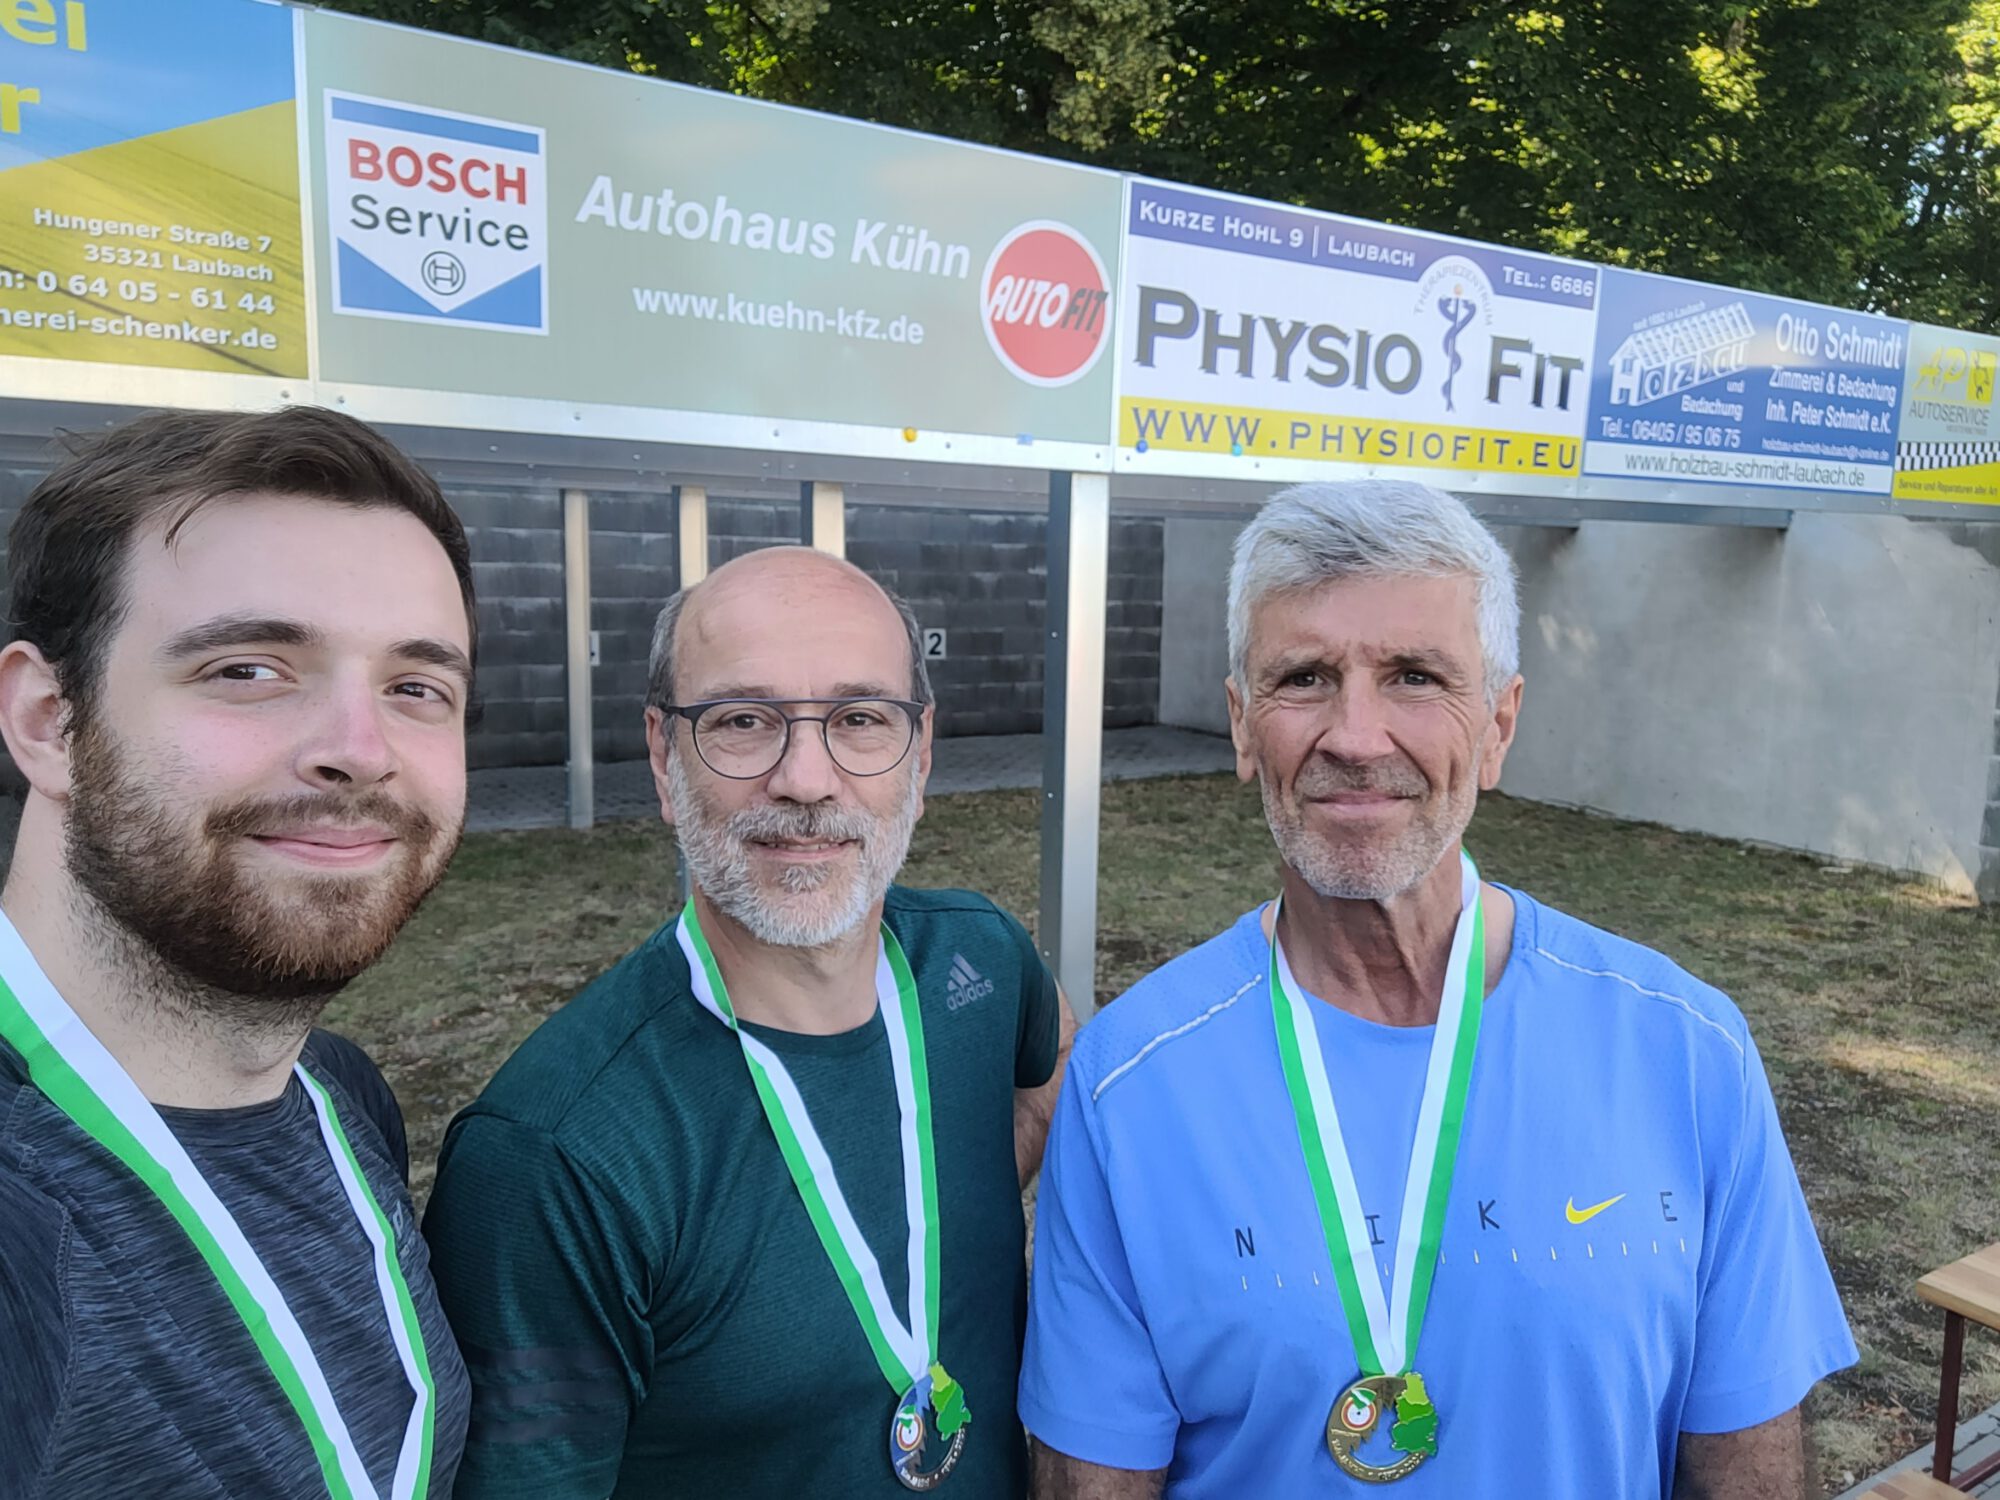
<point>1978,1437</point>
<point>536,796</point>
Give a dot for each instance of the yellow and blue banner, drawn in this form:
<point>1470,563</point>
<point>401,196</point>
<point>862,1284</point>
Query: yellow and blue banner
<point>149,200</point>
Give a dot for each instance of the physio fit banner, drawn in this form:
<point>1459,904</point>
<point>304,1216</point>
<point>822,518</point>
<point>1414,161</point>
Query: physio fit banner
<point>507,226</point>
<point>1948,436</point>
<point>1719,386</point>
<point>1253,330</point>
<point>149,204</point>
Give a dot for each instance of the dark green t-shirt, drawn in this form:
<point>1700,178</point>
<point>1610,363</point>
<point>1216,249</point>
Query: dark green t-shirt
<point>643,1305</point>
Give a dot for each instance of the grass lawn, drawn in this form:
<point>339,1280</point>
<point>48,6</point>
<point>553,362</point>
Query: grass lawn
<point>1871,998</point>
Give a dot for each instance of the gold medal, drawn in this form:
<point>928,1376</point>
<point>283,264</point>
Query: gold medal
<point>1358,1415</point>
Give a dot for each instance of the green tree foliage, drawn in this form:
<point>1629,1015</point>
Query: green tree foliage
<point>1847,150</point>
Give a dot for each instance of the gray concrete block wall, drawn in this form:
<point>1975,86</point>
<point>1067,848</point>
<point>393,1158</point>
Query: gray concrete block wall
<point>634,565</point>
<point>739,526</point>
<point>517,572</point>
<point>983,578</point>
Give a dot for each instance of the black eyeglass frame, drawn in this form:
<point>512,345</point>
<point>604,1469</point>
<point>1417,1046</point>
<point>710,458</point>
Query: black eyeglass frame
<point>693,711</point>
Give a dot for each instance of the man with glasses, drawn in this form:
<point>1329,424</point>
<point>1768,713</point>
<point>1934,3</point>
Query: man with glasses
<point>744,1218</point>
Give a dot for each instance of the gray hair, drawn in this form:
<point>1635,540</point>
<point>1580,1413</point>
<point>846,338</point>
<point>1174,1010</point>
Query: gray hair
<point>660,662</point>
<point>1374,528</point>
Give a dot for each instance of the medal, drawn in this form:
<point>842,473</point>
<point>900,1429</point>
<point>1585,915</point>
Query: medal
<point>83,1080</point>
<point>1359,1411</point>
<point>931,1407</point>
<point>935,1403</point>
<point>1385,1332</point>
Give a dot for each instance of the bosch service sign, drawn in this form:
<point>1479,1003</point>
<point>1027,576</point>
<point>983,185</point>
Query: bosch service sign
<point>436,217</point>
<point>1047,301</point>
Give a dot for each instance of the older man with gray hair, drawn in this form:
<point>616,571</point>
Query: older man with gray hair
<point>1406,1176</point>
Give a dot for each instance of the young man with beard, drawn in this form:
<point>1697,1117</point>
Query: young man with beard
<point>241,654</point>
<point>1407,1178</point>
<point>744,1218</point>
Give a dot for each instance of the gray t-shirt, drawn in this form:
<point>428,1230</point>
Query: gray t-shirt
<point>124,1371</point>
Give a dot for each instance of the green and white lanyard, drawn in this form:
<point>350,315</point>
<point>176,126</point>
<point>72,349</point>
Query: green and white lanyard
<point>1385,1333</point>
<point>903,1348</point>
<point>75,1072</point>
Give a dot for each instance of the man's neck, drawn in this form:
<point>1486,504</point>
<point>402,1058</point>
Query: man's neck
<point>176,1052</point>
<point>1385,961</point>
<point>812,991</point>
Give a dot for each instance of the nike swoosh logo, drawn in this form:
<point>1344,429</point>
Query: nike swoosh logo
<point>1584,1215</point>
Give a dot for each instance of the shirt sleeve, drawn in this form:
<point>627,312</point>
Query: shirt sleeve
<point>547,1298</point>
<point>1769,1324</point>
<point>1039,1035</point>
<point>1091,1381</point>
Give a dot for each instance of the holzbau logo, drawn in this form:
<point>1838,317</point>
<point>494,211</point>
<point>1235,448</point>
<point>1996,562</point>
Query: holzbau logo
<point>1046,300</point>
<point>437,217</point>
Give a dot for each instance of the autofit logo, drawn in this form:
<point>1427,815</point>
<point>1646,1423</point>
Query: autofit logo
<point>437,217</point>
<point>1046,303</point>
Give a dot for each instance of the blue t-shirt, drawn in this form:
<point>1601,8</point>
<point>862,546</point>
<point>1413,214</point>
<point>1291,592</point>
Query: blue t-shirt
<point>1185,1314</point>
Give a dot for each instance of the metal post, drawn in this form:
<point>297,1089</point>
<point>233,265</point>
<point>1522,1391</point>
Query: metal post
<point>1073,730</point>
<point>691,531</point>
<point>823,517</point>
<point>576,621</point>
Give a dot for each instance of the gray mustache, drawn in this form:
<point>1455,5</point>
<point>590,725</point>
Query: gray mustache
<point>833,824</point>
<point>1324,776</point>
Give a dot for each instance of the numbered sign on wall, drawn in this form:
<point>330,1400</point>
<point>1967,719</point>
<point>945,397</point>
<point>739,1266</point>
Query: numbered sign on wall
<point>934,645</point>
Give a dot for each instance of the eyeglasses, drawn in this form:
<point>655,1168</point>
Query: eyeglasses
<point>745,738</point>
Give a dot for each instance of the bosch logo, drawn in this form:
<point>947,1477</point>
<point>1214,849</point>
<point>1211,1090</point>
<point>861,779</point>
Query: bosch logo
<point>1046,303</point>
<point>444,273</point>
<point>437,171</point>
<point>436,216</point>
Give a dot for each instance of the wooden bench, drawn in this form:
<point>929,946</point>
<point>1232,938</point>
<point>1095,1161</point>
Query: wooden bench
<point>1913,1486</point>
<point>1968,1288</point>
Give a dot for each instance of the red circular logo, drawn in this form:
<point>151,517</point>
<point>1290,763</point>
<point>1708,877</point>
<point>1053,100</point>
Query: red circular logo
<point>1045,301</point>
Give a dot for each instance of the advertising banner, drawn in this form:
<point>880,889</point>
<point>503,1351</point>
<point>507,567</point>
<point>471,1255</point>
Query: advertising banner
<point>149,205</point>
<point>1717,386</point>
<point>501,225</point>
<point>1292,335</point>
<point>1948,437</point>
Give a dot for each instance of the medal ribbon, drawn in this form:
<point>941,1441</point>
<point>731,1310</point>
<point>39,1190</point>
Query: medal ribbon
<point>1385,1334</point>
<point>903,1350</point>
<point>75,1072</point>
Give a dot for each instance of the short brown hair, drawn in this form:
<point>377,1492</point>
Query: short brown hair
<point>67,550</point>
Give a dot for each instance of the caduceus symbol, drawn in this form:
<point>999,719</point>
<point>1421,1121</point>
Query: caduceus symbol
<point>1458,310</point>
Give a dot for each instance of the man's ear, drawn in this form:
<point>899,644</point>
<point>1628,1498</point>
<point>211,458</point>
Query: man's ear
<point>1239,732</point>
<point>924,753</point>
<point>658,727</point>
<point>1500,737</point>
<point>34,720</point>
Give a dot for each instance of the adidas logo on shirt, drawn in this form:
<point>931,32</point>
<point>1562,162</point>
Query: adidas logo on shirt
<point>965,985</point>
